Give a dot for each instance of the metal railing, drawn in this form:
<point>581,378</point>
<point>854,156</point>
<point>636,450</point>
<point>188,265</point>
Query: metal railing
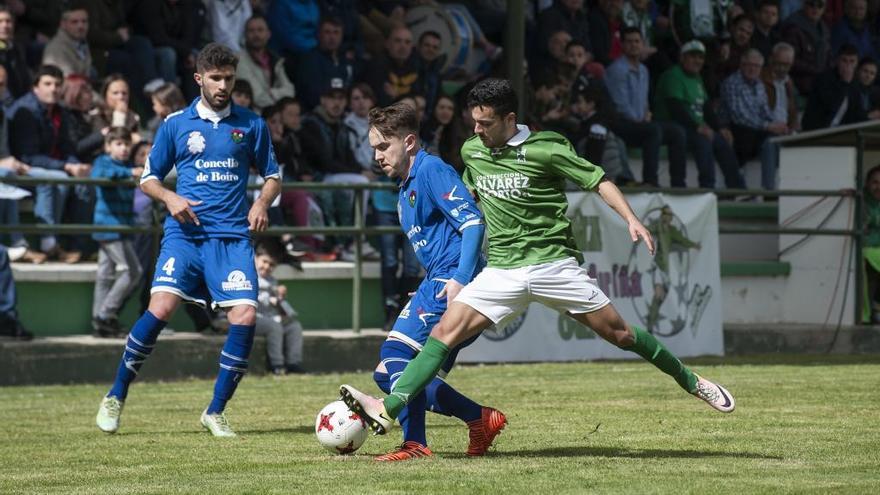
<point>359,229</point>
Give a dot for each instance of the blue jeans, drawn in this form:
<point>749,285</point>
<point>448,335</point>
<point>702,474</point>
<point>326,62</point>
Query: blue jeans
<point>393,250</point>
<point>166,63</point>
<point>769,164</point>
<point>50,200</point>
<point>9,214</point>
<point>706,152</point>
<point>7,287</point>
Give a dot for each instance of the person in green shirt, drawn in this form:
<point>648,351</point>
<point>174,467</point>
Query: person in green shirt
<point>518,177</point>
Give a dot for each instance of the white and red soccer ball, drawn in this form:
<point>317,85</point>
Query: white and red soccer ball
<point>339,430</point>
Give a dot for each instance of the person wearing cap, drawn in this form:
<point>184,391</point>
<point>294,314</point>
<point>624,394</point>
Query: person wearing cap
<point>326,145</point>
<point>681,97</point>
<point>811,38</point>
<point>261,67</point>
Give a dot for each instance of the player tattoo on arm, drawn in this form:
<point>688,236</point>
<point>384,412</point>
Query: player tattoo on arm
<point>616,200</point>
<point>258,216</point>
<point>179,207</point>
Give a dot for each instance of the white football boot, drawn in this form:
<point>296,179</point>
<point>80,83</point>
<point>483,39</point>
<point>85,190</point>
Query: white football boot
<point>108,414</point>
<point>715,395</point>
<point>368,407</point>
<point>217,424</point>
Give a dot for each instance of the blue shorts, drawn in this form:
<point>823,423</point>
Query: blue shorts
<point>222,269</point>
<point>420,314</point>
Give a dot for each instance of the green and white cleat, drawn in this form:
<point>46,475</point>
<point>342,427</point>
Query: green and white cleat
<point>108,414</point>
<point>217,424</point>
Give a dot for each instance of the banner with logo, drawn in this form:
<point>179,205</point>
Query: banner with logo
<point>675,294</point>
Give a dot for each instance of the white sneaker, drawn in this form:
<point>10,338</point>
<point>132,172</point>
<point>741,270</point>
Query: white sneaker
<point>108,414</point>
<point>217,424</point>
<point>715,395</point>
<point>367,407</point>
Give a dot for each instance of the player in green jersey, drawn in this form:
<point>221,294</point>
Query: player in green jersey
<point>518,177</point>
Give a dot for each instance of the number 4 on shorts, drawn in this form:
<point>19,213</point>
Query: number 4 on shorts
<point>168,267</point>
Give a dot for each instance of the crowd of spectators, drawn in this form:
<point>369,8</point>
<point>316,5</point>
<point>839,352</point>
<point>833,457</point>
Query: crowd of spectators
<point>713,79</point>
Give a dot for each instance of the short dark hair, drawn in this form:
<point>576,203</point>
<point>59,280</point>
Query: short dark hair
<point>215,56</point>
<point>284,101</point>
<point>848,49</point>
<point>765,3</point>
<point>48,70</point>
<point>397,120</point>
<point>868,61</point>
<point>243,86</point>
<point>270,111</point>
<point>256,17</point>
<point>496,94</point>
<point>424,35</point>
<point>268,249</point>
<point>332,20</point>
<point>574,43</point>
<point>117,134</point>
<point>365,90</point>
<point>630,30</point>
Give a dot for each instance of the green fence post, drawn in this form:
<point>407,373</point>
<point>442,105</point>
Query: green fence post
<point>358,250</point>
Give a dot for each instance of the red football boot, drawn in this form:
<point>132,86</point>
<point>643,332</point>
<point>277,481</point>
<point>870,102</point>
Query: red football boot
<point>484,430</point>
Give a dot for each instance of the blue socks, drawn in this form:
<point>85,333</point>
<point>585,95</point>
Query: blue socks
<point>233,365</point>
<point>445,400</point>
<point>140,344</point>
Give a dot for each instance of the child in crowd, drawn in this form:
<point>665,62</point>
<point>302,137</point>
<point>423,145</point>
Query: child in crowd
<point>243,94</point>
<point>119,270</point>
<point>276,319</point>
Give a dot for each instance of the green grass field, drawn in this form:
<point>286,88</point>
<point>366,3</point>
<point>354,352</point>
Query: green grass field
<point>802,425</point>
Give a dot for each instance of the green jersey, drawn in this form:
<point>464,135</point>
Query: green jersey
<point>678,85</point>
<point>521,189</point>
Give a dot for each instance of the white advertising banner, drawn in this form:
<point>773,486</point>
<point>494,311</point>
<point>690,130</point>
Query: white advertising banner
<point>675,294</point>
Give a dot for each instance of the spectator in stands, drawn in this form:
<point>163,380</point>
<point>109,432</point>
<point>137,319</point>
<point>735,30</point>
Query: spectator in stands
<point>276,318</point>
<point>854,30</point>
<point>145,244</point>
<point>565,15</point>
<point>745,98</point>
<point>6,98</point>
<point>605,23</point>
<point>361,99</point>
<point>348,12</point>
<point>227,19</point>
<point>440,120</point>
<point>811,40</point>
<point>766,32</point>
<point>644,15</point>
<point>704,20</point>
<point>294,23</point>
<point>316,68</point>
<point>116,49</point>
<point>166,100</point>
<point>119,270</point>
<point>396,73</point>
<point>299,206</point>
<point>173,27</point>
<point>243,94</point>
<point>781,93</point>
<point>326,146</point>
<point>431,61</point>
<point>39,136</point>
<point>590,131</point>
<point>581,59</point>
<point>114,110</point>
<point>628,82</point>
<point>77,97</point>
<point>68,49</point>
<point>37,25</point>
<point>866,77</point>
<point>262,68</point>
<point>10,325</point>
<point>834,99</point>
<point>12,56</point>
<point>457,132</point>
<point>681,98</point>
<point>741,29</point>
<point>871,248</point>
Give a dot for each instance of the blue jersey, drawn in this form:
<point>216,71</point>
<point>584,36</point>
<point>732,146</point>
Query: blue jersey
<point>434,206</point>
<point>213,161</point>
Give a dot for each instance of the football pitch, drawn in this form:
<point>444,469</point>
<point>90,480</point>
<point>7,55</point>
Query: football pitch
<point>802,425</point>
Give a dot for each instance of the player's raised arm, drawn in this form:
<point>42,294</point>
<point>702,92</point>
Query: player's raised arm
<point>614,198</point>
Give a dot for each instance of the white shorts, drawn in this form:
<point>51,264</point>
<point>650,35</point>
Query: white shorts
<point>563,285</point>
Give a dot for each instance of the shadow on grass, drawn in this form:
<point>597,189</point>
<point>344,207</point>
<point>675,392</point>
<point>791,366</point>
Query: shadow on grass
<point>586,451</point>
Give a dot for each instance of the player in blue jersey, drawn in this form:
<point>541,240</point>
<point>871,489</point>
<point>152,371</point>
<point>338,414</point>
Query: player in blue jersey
<point>206,250</point>
<point>441,221</point>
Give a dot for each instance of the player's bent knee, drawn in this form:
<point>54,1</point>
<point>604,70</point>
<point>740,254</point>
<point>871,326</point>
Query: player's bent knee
<point>243,314</point>
<point>163,304</point>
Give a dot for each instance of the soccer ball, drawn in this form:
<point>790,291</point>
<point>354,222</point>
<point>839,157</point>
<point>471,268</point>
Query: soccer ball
<point>339,430</point>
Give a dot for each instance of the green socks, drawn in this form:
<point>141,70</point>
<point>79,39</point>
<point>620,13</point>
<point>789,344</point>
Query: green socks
<point>654,352</point>
<point>417,375</point>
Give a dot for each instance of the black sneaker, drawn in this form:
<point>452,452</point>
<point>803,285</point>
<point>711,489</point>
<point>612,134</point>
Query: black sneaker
<point>11,327</point>
<point>294,369</point>
<point>106,328</point>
